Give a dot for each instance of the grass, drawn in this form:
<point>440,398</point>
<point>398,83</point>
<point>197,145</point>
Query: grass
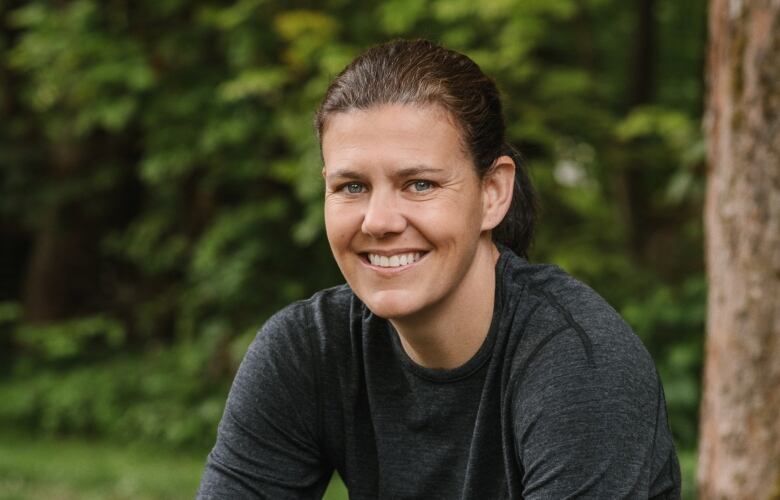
<point>78,469</point>
<point>73,469</point>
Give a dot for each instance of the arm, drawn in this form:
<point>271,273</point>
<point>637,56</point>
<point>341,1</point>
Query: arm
<point>592,423</point>
<point>267,440</point>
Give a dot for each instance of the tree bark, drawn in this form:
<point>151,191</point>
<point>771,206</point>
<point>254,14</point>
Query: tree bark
<point>739,447</point>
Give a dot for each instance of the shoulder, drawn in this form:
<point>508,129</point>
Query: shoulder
<point>309,321</point>
<point>294,342</point>
<point>565,322</point>
<point>322,307</point>
<point>573,348</point>
<point>587,405</point>
<point>286,354</point>
<point>270,435</point>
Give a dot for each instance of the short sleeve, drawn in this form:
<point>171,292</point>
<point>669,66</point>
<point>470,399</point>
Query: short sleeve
<point>590,420</point>
<point>267,444</point>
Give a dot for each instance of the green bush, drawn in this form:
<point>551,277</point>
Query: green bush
<point>62,385</point>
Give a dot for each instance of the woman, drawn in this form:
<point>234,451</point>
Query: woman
<point>448,366</point>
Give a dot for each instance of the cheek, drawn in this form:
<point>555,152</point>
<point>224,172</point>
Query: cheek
<point>446,230</point>
<point>340,224</point>
<point>452,218</point>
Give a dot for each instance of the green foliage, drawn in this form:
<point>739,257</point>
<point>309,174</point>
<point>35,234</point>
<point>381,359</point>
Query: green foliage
<point>158,396</point>
<point>81,77</point>
<point>70,339</point>
<point>170,143</point>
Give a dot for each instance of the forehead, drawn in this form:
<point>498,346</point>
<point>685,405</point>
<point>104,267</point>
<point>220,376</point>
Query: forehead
<point>392,133</point>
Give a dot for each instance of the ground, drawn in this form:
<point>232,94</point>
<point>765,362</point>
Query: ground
<point>71,469</point>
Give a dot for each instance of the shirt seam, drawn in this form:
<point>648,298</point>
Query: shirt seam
<point>571,322</point>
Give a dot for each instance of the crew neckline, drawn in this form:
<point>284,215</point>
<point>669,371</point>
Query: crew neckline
<point>472,365</point>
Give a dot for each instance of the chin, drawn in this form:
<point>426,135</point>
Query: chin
<point>391,305</point>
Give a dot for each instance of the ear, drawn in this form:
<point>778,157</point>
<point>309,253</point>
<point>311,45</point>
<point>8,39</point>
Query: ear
<point>497,189</point>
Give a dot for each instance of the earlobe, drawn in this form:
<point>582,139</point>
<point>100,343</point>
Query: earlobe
<point>497,190</point>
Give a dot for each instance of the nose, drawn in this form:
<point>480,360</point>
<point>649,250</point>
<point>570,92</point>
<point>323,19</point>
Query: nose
<point>383,216</point>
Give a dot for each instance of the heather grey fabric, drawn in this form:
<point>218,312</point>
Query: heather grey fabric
<point>561,401</point>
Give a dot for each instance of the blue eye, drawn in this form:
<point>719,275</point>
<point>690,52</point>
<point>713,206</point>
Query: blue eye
<point>421,186</point>
<point>353,188</point>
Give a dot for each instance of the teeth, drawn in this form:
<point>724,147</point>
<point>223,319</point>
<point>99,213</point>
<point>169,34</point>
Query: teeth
<point>399,260</point>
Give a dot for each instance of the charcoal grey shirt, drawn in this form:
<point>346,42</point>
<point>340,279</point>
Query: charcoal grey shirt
<point>562,400</point>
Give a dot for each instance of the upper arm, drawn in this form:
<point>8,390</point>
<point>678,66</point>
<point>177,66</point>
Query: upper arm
<point>591,423</point>
<point>267,442</point>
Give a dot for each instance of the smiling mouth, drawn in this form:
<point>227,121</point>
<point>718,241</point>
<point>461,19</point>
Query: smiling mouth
<point>397,260</point>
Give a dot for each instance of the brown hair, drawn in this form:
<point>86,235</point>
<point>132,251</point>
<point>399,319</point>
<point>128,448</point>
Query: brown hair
<point>421,72</point>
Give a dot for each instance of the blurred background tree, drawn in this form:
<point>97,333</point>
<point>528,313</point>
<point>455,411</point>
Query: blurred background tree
<point>160,192</point>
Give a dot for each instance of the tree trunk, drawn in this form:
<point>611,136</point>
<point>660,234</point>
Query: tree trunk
<point>739,448</point>
<point>641,81</point>
<point>62,266</point>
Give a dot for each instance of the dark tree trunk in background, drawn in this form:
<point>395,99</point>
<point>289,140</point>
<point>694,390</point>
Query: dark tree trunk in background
<point>52,271</point>
<point>740,414</point>
<point>643,67</point>
<point>641,83</point>
<point>62,264</point>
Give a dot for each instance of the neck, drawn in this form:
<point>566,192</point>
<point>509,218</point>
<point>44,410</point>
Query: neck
<point>449,333</point>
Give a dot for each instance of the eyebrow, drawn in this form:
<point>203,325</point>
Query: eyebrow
<point>342,173</point>
<point>345,173</point>
<point>418,170</point>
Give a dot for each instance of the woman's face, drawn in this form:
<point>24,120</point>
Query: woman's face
<point>403,206</point>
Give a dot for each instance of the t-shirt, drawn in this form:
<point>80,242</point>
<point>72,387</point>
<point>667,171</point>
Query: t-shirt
<point>562,400</point>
